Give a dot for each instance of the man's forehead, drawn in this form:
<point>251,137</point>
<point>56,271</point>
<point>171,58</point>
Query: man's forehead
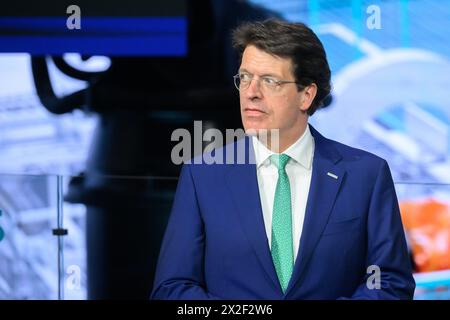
<point>264,62</point>
<point>254,51</point>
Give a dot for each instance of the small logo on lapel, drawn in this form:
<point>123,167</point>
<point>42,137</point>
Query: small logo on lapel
<point>332,175</point>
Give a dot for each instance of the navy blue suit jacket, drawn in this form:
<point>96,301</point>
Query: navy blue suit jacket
<point>215,245</point>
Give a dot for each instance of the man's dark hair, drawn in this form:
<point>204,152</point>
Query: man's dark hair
<point>290,40</point>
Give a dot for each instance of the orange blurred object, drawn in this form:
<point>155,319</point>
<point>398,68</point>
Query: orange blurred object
<point>427,224</point>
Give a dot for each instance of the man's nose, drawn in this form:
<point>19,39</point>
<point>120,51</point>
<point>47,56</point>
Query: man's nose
<point>254,90</point>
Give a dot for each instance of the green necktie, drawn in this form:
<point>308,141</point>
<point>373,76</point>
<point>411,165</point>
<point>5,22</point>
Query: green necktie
<point>282,246</point>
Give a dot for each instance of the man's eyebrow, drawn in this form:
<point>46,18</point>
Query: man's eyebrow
<point>243,70</point>
<point>263,75</point>
<point>272,75</point>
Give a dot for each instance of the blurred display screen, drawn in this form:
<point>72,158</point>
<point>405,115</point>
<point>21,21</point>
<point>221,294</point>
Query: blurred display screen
<point>114,28</point>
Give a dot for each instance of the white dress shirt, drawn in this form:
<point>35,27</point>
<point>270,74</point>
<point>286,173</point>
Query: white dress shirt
<point>299,169</point>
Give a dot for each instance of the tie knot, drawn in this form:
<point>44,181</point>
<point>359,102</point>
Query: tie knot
<point>280,160</point>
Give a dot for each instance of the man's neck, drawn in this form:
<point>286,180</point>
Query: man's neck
<point>278,142</point>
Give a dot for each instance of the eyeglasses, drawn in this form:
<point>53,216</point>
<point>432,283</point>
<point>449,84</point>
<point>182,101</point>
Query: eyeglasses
<point>268,84</point>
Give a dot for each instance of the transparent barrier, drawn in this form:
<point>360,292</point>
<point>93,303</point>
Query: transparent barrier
<point>28,250</point>
<point>425,209</point>
<point>55,230</point>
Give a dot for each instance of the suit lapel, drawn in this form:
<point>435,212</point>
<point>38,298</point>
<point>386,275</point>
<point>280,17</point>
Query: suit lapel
<point>241,180</point>
<point>322,194</point>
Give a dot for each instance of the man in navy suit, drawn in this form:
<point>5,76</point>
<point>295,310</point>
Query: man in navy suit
<point>308,218</point>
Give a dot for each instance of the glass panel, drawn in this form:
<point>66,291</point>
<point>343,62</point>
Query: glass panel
<point>28,249</point>
<point>425,212</point>
<point>115,226</point>
<point>74,274</point>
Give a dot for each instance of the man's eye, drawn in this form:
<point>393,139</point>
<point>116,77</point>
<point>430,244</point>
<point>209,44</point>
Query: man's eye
<point>270,81</point>
<point>244,77</point>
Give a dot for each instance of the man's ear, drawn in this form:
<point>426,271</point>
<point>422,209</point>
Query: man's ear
<point>309,93</point>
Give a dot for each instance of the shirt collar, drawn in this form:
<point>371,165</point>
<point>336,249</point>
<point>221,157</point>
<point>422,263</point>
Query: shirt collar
<point>301,151</point>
